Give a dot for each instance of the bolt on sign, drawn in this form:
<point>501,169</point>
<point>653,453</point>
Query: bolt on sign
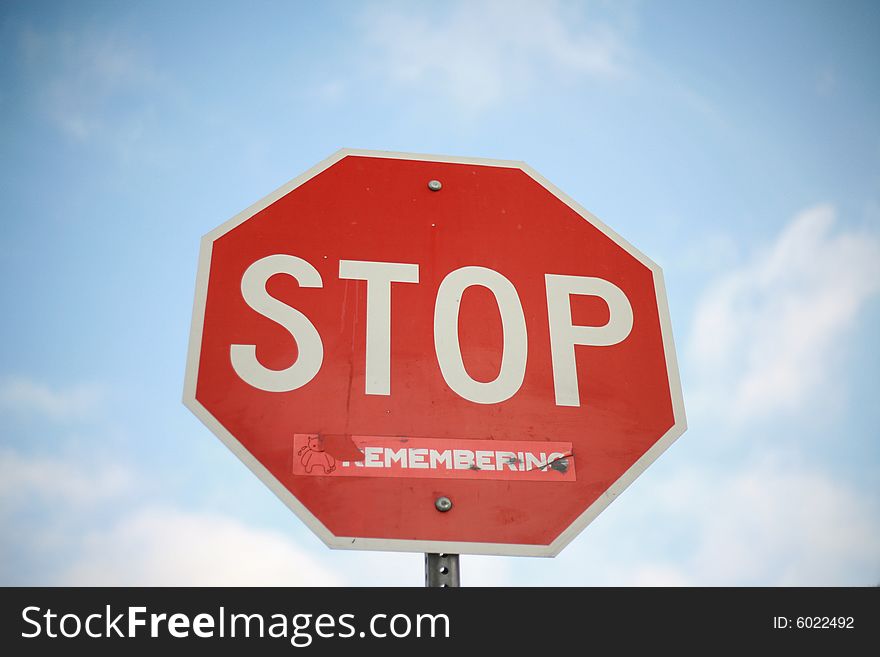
<point>433,354</point>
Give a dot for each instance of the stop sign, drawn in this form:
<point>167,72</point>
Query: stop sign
<point>433,354</point>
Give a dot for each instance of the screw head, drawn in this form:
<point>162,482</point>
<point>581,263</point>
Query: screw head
<point>435,185</point>
<point>443,504</point>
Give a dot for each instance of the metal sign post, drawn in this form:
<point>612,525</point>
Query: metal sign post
<point>441,570</point>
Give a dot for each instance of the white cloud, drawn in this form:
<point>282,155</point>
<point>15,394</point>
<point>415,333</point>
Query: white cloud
<point>480,53</point>
<point>782,525</point>
<point>26,395</point>
<point>652,574</point>
<point>92,85</point>
<point>85,525</point>
<point>479,570</point>
<point>765,335</point>
<point>81,524</point>
<point>377,568</point>
<point>29,478</point>
<point>771,522</point>
<point>156,546</point>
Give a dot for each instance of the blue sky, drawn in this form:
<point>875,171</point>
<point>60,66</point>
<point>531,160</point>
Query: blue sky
<point>737,144</point>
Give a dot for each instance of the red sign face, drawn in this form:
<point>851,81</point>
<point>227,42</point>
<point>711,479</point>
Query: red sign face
<point>388,330</point>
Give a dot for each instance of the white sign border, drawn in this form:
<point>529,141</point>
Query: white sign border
<point>397,545</point>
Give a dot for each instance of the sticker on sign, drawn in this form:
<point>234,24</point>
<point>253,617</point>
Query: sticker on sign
<point>438,458</point>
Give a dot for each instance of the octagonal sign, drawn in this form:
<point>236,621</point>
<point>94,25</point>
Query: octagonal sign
<point>433,354</point>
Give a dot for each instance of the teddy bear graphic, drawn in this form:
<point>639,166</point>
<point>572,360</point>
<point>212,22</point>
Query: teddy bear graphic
<point>312,455</point>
